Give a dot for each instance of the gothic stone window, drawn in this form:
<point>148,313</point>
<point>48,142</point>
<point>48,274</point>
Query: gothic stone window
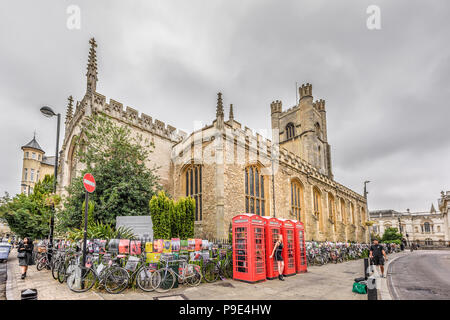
<point>290,131</point>
<point>296,199</point>
<point>332,210</point>
<point>193,182</point>
<point>318,207</point>
<point>254,191</point>
<point>343,211</point>
<point>352,213</point>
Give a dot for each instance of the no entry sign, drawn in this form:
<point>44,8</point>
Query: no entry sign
<point>89,182</point>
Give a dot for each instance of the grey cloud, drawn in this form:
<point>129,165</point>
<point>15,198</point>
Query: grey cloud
<point>386,91</point>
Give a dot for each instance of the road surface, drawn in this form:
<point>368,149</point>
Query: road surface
<point>420,275</point>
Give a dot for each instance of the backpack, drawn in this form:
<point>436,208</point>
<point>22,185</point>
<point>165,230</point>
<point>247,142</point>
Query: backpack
<point>359,287</point>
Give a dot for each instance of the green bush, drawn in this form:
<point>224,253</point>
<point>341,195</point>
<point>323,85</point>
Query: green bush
<point>172,219</point>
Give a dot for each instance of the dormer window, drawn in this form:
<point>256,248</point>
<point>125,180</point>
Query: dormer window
<point>290,131</point>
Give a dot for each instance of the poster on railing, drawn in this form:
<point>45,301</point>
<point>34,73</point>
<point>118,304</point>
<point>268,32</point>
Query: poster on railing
<point>191,244</point>
<point>175,244</point>
<point>198,244</point>
<point>158,245</point>
<point>167,246</point>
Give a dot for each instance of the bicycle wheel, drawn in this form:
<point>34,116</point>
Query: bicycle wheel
<point>226,269</point>
<point>81,279</point>
<point>195,276</point>
<point>62,272</point>
<point>55,269</point>
<point>41,263</point>
<point>144,279</point>
<point>163,280</point>
<point>116,279</point>
<point>210,271</point>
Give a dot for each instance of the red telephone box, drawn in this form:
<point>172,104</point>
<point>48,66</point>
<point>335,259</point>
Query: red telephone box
<point>300,249</point>
<point>248,248</point>
<point>288,253</point>
<point>272,228</point>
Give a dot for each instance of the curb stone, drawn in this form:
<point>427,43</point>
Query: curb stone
<point>384,292</point>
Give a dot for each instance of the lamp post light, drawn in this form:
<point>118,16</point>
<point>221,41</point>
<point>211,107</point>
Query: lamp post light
<point>368,212</point>
<point>48,112</point>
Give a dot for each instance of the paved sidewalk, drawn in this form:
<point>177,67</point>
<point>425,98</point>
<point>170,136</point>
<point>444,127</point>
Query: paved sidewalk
<point>328,282</point>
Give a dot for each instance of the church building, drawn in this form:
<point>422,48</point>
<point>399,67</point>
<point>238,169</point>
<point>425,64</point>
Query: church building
<point>228,169</point>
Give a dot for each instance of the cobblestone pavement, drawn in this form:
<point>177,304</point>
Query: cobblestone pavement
<point>331,281</point>
<point>421,275</point>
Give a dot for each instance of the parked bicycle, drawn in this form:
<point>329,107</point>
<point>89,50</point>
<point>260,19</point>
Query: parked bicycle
<point>163,279</point>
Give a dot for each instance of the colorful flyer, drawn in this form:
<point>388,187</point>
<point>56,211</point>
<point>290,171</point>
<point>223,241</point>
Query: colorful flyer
<point>167,246</point>
<point>175,244</point>
<point>195,256</point>
<point>205,245</point>
<point>183,245</point>
<point>198,244</point>
<point>124,246</point>
<point>158,245</point>
<point>153,257</point>
<point>148,246</point>
<point>191,244</point>
<point>205,255</point>
<point>135,247</point>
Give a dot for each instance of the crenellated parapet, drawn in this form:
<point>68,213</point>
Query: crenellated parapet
<point>305,90</point>
<point>319,105</point>
<point>131,116</point>
<point>298,163</point>
<point>276,106</point>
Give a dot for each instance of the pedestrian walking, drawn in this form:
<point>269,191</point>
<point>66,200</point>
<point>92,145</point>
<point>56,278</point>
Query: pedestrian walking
<point>378,256</point>
<point>25,255</point>
<point>277,249</point>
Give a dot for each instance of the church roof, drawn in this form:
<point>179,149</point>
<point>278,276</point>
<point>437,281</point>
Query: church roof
<point>33,144</point>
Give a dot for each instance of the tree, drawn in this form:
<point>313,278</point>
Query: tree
<point>391,235</point>
<point>116,159</point>
<point>29,215</point>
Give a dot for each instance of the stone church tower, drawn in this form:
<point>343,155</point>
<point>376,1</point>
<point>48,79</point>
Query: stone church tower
<point>302,130</point>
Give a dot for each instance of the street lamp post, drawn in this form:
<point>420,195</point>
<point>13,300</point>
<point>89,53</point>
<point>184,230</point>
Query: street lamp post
<point>368,212</point>
<point>48,112</point>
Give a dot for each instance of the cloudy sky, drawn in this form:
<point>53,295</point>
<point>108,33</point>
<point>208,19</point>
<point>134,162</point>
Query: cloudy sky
<point>387,91</point>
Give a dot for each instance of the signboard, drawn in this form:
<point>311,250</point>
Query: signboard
<point>141,226</point>
<point>89,182</point>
